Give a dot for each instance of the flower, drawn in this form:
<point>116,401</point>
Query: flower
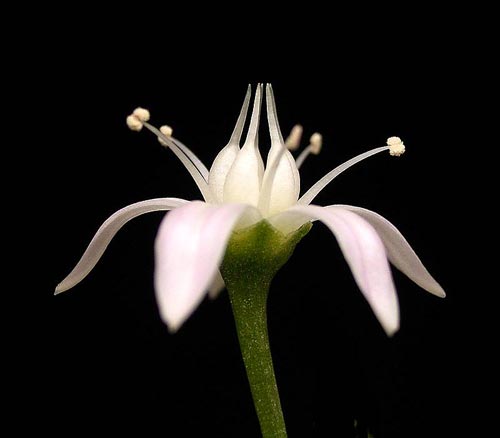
<point>239,191</point>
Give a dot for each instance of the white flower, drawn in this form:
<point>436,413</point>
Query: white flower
<point>240,191</point>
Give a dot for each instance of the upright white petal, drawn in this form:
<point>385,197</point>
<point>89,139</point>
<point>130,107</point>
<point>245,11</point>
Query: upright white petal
<point>227,155</point>
<point>365,254</point>
<point>399,251</point>
<point>189,249</point>
<point>281,182</point>
<point>244,179</point>
<point>106,233</point>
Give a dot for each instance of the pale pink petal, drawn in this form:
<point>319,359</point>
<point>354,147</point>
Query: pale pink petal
<point>106,233</point>
<point>189,249</point>
<point>365,254</point>
<point>217,286</point>
<point>399,251</point>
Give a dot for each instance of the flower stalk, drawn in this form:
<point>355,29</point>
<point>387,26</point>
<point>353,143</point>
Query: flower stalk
<point>252,258</point>
<point>250,315</point>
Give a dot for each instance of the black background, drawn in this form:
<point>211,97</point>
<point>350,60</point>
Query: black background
<point>99,359</point>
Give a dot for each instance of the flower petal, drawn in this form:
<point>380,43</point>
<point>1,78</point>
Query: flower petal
<point>226,157</point>
<point>217,286</point>
<point>189,248</point>
<point>399,251</point>
<point>365,254</point>
<point>106,233</point>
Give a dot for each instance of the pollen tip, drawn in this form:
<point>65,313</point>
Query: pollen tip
<point>136,120</point>
<point>316,143</point>
<point>396,146</point>
<point>167,132</point>
<point>134,123</point>
<point>293,140</point>
<point>142,114</point>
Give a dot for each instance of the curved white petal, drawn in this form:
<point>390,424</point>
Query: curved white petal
<point>106,233</point>
<point>189,248</point>
<point>226,157</point>
<point>399,251</point>
<point>244,179</point>
<point>281,181</point>
<point>217,286</point>
<point>365,254</point>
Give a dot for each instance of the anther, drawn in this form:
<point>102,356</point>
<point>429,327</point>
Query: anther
<point>292,142</point>
<point>136,120</point>
<point>315,143</point>
<point>396,146</point>
<point>167,132</point>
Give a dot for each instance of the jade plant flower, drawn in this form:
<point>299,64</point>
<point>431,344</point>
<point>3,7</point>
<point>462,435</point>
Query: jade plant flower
<point>240,191</point>
<point>246,227</point>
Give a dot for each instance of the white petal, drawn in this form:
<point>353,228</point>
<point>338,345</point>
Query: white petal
<point>399,251</point>
<point>217,286</point>
<point>189,248</point>
<point>244,179</point>
<point>281,182</point>
<point>227,155</point>
<point>365,254</point>
<point>106,233</point>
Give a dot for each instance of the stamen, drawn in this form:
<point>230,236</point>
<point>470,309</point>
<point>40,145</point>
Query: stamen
<point>167,131</point>
<point>292,142</point>
<point>330,176</point>
<point>314,147</point>
<point>396,146</point>
<point>196,169</point>
<point>192,168</point>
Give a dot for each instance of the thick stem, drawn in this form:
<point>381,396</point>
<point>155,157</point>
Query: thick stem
<point>249,308</point>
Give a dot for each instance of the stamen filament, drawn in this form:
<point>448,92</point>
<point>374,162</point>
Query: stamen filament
<point>191,155</point>
<point>302,157</point>
<point>307,198</point>
<point>314,147</point>
<point>191,166</point>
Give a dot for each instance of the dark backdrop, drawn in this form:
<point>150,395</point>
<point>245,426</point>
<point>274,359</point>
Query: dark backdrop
<point>98,358</point>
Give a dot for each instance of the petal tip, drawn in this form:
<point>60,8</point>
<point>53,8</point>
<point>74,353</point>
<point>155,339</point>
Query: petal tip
<point>391,331</point>
<point>436,290</point>
<point>60,288</point>
<point>173,324</point>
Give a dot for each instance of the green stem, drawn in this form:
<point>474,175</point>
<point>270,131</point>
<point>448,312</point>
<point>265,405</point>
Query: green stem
<point>249,308</point>
<point>253,257</point>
